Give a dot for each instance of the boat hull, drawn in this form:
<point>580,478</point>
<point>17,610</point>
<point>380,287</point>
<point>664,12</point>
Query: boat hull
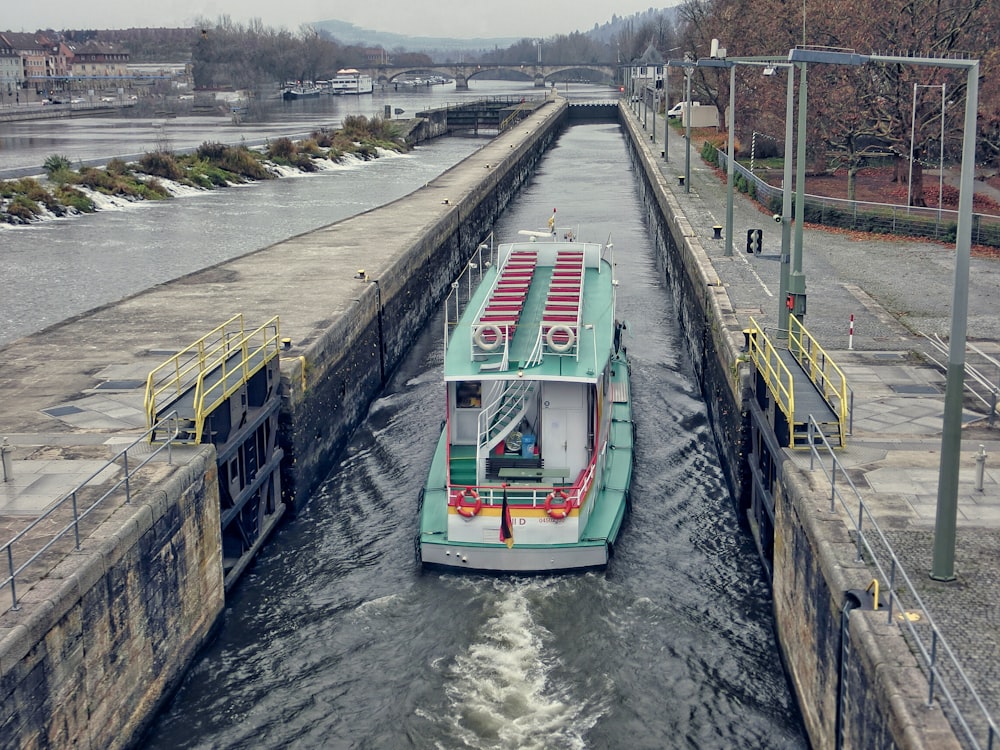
<point>515,560</point>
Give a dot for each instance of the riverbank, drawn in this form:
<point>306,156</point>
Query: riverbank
<point>161,174</point>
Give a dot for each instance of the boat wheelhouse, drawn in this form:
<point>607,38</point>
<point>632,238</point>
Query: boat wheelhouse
<point>532,469</point>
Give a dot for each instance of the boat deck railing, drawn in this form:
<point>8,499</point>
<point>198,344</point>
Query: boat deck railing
<point>463,287</point>
<point>531,493</point>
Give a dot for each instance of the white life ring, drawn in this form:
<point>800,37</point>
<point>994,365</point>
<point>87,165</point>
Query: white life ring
<point>556,346</point>
<point>483,342</point>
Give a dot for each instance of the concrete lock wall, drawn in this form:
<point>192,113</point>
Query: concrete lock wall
<point>327,390</point>
<point>111,629</point>
<point>882,702</point>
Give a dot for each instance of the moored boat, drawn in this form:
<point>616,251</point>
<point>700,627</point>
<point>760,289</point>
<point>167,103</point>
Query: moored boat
<point>351,81</point>
<point>301,91</point>
<point>532,469</point>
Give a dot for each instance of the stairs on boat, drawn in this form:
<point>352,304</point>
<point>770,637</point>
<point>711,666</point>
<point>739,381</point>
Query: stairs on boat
<point>462,467</point>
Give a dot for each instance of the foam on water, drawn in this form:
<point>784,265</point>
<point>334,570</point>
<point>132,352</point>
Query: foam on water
<point>504,689</point>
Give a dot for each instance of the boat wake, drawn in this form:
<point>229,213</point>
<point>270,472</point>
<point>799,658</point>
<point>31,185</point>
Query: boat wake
<point>508,689</point>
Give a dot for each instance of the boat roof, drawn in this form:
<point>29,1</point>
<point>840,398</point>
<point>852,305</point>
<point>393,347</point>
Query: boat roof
<point>543,311</point>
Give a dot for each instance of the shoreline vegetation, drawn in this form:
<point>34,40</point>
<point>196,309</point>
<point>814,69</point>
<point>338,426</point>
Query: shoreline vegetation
<point>64,190</point>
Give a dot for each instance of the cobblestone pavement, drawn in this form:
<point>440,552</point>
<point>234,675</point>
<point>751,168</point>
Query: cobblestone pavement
<point>900,291</point>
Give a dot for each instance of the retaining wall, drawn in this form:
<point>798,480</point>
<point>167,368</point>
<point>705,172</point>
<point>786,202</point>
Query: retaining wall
<point>348,363</point>
<point>881,700</point>
<point>111,630</point>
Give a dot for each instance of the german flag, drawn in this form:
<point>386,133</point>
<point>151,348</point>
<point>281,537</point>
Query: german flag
<point>506,527</point>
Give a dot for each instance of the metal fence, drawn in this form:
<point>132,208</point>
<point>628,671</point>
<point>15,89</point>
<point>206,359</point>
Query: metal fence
<point>169,424</point>
<point>879,218</point>
<point>946,678</point>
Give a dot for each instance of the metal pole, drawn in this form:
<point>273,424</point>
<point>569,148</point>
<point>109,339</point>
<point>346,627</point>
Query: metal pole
<point>786,207</point>
<point>913,125</point>
<point>797,280</point>
<point>666,108</point>
<point>943,566</point>
<point>656,102</point>
<point>687,115</point>
<point>941,159</point>
<point>730,167</point>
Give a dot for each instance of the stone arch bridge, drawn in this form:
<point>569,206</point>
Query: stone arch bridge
<point>541,74</point>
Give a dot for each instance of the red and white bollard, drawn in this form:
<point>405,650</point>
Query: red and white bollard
<point>850,335</point>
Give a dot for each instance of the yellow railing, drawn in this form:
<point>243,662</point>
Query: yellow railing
<point>822,371</point>
<point>216,365</point>
<point>514,116</point>
<point>776,376</point>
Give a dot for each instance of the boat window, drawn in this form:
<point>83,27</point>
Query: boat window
<point>468,395</point>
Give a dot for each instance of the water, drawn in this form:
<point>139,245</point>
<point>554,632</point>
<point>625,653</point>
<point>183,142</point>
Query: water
<point>336,639</point>
<point>58,269</point>
<point>25,145</point>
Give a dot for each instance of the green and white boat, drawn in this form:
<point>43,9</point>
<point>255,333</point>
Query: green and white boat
<point>533,466</point>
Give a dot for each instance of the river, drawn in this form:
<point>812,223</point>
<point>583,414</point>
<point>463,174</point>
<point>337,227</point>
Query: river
<point>335,638</point>
<point>57,269</point>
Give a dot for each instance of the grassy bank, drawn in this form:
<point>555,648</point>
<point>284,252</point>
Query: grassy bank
<point>67,191</point>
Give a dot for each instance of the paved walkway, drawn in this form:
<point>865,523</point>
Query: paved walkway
<point>897,289</point>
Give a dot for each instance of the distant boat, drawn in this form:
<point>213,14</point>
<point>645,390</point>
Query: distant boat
<point>351,81</point>
<point>301,91</point>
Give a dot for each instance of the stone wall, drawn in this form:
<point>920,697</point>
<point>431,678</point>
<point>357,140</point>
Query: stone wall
<point>98,644</point>
<point>883,700</point>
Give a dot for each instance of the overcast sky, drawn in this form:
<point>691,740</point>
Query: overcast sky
<point>449,18</point>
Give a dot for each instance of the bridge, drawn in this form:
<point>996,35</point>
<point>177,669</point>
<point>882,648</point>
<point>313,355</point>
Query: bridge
<point>541,74</point>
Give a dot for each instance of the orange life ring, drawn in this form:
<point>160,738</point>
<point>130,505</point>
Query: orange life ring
<point>468,511</point>
<point>561,511</point>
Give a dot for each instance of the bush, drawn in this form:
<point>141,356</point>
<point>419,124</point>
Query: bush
<point>710,153</point>
<point>70,196</point>
<point>281,148</point>
<point>56,164</point>
<point>118,167</point>
<point>161,164</point>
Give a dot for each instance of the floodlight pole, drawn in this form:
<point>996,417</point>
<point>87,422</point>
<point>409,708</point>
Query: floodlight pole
<point>730,143</point>
<point>666,110</point>
<point>943,563</point>
<point>797,279</point>
<point>687,132</point>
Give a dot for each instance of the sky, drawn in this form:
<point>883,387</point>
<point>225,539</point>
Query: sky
<point>463,19</point>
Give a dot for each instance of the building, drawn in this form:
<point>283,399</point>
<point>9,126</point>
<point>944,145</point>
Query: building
<point>11,71</point>
<point>99,60</point>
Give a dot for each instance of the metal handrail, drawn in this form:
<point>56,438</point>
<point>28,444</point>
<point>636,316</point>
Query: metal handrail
<point>821,370</point>
<point>777,376</point>
<point>78,515</point>
<point>229,381</point>
<point>928,652</point>
<point>211,354</point>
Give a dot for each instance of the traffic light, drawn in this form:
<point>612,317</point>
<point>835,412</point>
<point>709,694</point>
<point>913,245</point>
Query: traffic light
<point>755,240</point>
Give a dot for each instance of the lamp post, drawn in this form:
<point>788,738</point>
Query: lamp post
<point>943,564</point>
<point>686,65</point>
<point>730,126</point>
